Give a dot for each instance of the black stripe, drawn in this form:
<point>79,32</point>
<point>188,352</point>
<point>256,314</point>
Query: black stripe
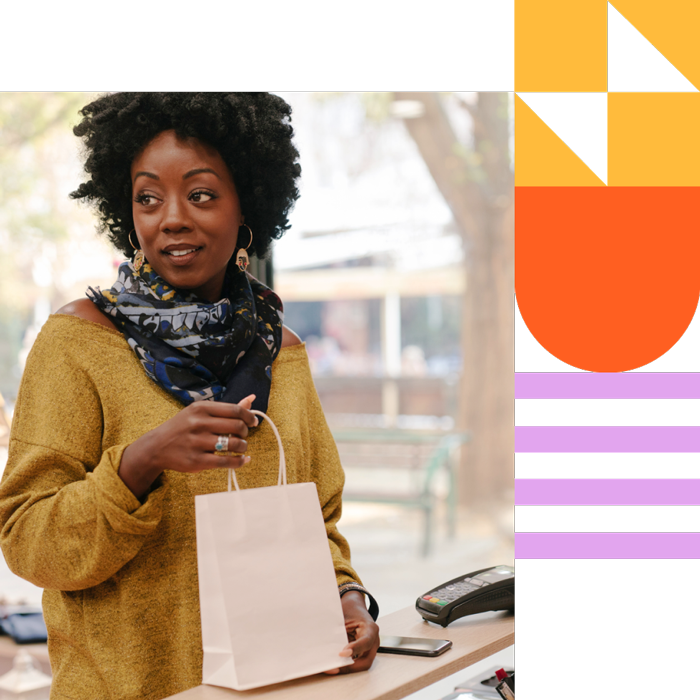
<point>607,518</point>
<point>607,412</point>
<point>601,466</point>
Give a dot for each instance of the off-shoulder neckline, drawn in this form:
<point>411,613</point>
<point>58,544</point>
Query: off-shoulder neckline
<point>287,353</point>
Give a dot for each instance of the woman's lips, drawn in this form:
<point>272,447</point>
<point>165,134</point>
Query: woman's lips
<point>176,257</point>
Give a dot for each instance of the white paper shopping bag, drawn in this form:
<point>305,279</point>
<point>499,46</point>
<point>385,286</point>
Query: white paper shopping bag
<point>267,589</point>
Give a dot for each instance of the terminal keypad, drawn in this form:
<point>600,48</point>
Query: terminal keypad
<point>446,594</point>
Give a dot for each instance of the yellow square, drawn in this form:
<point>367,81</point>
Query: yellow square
<point>654,139</point>
<point>561,45</point>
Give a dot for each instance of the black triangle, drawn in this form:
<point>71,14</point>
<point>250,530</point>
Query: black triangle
<point>635,65</point>
<point>579,119</point>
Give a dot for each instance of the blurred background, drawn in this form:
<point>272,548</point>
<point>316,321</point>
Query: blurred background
<point>397,272</point>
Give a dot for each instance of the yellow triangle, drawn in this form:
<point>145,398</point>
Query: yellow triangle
<point>542,159</point>
<point>671,27</point>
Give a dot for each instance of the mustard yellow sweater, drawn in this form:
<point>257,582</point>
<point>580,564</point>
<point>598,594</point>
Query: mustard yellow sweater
<point>121,598</point>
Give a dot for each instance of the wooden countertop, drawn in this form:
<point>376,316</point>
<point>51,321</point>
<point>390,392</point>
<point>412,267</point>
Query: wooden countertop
<point>392,676</point>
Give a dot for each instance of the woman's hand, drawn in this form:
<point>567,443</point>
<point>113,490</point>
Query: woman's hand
<point>363,634</point>
<point>186,443</point>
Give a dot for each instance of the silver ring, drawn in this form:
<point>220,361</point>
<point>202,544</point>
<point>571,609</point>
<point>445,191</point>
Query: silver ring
<point>221,443</point>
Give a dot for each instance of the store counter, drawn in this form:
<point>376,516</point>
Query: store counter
<point>392,676</point>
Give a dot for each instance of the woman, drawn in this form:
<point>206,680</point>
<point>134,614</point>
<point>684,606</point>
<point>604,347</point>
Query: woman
<point>128,396</point>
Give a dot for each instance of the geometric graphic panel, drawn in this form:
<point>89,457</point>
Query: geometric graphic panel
<point>654,139</point>
<point>635,65</point>
<point>543,158</point>
<point>607,281</point>
<point>637,28</point>
<point>560,46</point>
<point>607,278</point>
<point>580,120</point>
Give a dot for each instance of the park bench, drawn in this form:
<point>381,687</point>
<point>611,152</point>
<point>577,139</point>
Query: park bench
<point>403,468</point>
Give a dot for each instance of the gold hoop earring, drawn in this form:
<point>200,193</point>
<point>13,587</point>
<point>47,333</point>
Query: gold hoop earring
<point>242,256</point>
<point>138,258</point>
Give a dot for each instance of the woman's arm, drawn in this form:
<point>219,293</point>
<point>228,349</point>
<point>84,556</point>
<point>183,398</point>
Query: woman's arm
<point>67,521</point>
<point>185,442</point>
<point>67,528</point>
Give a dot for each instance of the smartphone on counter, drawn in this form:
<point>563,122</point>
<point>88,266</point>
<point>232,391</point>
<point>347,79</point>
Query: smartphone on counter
<point>414,646</point>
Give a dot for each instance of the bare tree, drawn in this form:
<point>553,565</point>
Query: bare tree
<point>477,184</point>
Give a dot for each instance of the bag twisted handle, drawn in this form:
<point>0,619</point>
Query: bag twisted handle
<point>282,478</point>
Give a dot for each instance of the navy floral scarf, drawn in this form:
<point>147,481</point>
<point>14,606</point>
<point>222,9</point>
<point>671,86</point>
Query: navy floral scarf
<point>194,349</point>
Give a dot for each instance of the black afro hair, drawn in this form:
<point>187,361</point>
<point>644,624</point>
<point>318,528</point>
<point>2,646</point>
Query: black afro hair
<point>251,131</point>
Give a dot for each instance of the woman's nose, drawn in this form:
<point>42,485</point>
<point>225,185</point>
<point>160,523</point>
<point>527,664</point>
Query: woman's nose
<point>174,216</point>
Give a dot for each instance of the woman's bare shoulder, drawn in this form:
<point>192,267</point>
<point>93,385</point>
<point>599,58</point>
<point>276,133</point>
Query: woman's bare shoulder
<point>289,337</point>
<point>84,308</point>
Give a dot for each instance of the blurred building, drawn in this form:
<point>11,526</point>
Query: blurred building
<point>371,271</point>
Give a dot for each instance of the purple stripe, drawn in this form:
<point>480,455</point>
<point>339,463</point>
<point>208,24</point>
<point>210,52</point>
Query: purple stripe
<point>607,492</point>
<point>607,545</point>
<point>607,439</point>
<point>607,385</point>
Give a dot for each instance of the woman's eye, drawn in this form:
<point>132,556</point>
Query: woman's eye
<point>145,199</point>
<point>200,196</point>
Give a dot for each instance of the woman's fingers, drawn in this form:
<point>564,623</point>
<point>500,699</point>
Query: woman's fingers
<point>220,461</point>
<point>221,426</point>
<point>345,653</point>
<point>247,402</point>
<point>219,409</point>
<point>187,442</point>
<point>362,661</point>
<point>362,649</point>
<point>364,646</point>
<point>208,443</point>
<point>224,419</point>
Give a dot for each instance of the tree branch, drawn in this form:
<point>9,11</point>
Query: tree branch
<point>465,105</point>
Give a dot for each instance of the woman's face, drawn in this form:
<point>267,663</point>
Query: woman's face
<point>186,212</point>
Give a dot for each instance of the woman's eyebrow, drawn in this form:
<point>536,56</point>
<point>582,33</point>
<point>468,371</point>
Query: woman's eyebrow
<point>197,171</point>
<point>189,173</point>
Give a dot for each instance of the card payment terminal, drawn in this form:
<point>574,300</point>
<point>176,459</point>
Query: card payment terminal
<point>477,592</point>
